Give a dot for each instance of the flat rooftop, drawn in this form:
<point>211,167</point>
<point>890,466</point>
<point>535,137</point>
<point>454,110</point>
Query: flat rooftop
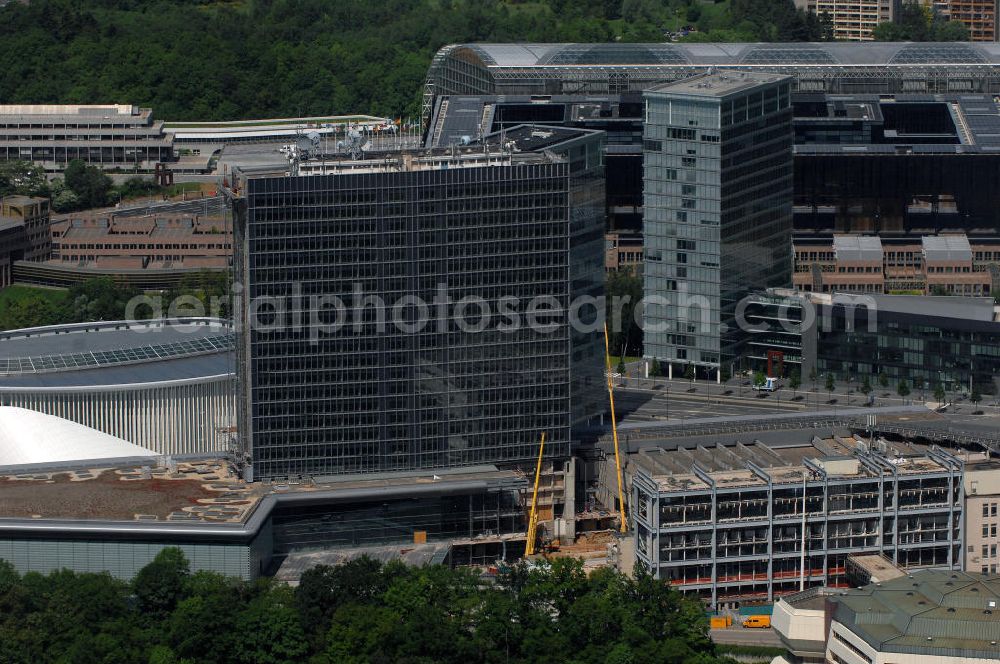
<point>190,492</point>
<point>719,84</point>
<point>797,453</point>
<point>393,161</point>
<point>533,138</point>
<point>202,492</point>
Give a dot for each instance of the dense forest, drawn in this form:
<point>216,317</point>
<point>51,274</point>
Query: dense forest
<point>200,60</point>
<point>361,611</point>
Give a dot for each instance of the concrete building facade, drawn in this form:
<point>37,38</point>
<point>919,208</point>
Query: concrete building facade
<point>24,233</point>
<point>929,265</point>
<point>982,518</point>
<point>853,20</point>
<point>717,200</point>
<point>34,213</point>
<point>979,16</point>
<point>167,238</point>
<point>109,136</point>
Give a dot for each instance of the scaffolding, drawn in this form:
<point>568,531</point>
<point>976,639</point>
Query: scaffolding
<point>789,518</point>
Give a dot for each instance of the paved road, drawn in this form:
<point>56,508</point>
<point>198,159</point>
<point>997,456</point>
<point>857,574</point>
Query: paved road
<point>736,635</point>
<point>645,405</point>
<point>817,396</point>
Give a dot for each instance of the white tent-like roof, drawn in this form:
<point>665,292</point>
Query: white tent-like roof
<point>29,437</point>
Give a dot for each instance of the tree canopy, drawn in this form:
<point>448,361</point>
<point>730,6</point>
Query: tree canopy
<point>919,23</point>
<point>104,299</point>
<point>216,60</point>
<point>361,611</point>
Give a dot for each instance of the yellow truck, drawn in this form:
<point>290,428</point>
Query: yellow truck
<point>757,621</point>
<point>720,622</point>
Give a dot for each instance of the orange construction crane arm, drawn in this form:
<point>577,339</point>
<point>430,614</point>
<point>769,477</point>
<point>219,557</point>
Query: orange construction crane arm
<point>529,546</point>
<point>614,432</point>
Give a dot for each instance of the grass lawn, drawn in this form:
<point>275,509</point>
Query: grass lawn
<point>180,187</point>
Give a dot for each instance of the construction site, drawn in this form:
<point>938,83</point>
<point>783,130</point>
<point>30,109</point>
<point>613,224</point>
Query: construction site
<point>749,517</point>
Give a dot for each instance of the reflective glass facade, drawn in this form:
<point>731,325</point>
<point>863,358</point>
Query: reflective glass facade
<point>717,178</point>
<point>372,397</point>
<point>923,350</point>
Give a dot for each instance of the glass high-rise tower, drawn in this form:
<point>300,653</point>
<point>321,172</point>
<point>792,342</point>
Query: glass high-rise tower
<point>454,270</point>
<point>717,200</point>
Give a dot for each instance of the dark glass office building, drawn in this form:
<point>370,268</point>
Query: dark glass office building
<point>583,151</point>
<point>395,380</point>
<point>717,180</point>
<point>925,341</point>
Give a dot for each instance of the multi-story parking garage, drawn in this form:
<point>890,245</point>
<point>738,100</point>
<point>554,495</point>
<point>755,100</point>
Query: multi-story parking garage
<point>166,385</point>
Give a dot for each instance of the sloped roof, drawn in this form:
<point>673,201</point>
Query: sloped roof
<point>28,437</point>
<point>930,612</point>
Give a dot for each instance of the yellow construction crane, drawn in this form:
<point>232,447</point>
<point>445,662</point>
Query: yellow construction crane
<point>614,432</point>
<point>529,547</point>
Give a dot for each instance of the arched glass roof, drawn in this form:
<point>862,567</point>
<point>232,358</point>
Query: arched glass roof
<point>786,54</point>
<point>937,53</point>
<point>723,54</point>
<point>615,54</point>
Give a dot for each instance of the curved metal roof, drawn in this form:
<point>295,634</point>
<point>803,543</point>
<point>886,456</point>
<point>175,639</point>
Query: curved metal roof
<point>115,352</point>
<point>705,54</point>
<point>30,437</point>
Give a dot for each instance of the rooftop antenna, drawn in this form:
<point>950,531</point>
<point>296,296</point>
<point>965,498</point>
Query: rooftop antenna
<point>355,144</point>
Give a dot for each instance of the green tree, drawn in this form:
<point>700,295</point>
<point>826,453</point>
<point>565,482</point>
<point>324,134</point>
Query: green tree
<point>830,384</point>
<point>159,586</point>
<point>947,31</point>
<point>939,393</point>
<point>23,178</point>
<point>883,379</point>
<point>203,626</point>
<point>89,183</point>
<point>623,292</point>
<point>655,369</point>
<point>917,22</point>
<point>866,386</point>
<point>689,372</point>
<point>903,389</point>
<point>795,380</point>
<point>759,379</point>
<point>620,368</point>
<point>975,397</point>
<point>64,200</point>
<point>813,376</point>
<point>270,631</point>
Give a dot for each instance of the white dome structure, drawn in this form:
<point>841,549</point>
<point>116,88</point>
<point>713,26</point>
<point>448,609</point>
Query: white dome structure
<point>28,437</point>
